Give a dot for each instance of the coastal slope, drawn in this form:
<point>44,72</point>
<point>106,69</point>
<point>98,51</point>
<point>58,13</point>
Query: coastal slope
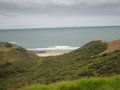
<point>14,61</point>
<point>84,62</point>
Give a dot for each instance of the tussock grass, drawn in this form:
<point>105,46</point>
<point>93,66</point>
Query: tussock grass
<point>112,83</point>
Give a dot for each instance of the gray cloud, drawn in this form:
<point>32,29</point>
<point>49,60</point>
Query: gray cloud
<point>55,9</point>
<point>82,7</point>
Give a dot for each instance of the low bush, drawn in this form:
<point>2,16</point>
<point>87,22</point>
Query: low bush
<point>8,45</point>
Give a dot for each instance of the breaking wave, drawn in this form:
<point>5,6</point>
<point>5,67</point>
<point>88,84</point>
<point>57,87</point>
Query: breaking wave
<point>55,48</point>
<point>13,42</point>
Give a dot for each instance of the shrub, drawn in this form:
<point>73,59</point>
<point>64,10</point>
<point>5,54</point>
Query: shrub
<point>103,55</point>
<point>20,49</point>
<point>8,45</point>
<point>8,63</point>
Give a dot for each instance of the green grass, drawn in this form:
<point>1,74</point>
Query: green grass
<point>112,83</point>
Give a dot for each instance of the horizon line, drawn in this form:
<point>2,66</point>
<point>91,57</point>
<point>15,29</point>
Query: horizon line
<point>59,27</point>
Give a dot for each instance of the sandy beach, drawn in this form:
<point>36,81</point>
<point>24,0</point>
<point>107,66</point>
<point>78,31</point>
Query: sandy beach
<point>45,53</point>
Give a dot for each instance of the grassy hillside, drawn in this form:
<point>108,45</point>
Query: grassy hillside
<point>14,60</point>
<point>112,83</point>
<point>84,62</point>
<point>19,67</point>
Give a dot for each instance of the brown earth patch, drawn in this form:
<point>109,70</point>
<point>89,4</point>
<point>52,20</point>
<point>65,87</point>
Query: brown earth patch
<point>112,46</point>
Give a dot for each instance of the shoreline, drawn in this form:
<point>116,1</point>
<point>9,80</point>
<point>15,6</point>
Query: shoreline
<point>46,53</point>
<point>53,51</point>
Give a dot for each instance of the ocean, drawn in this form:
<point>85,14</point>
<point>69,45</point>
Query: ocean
<point>58,38</point>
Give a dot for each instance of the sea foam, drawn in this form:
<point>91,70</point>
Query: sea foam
<point>55,48</point>
<point>13,42</point>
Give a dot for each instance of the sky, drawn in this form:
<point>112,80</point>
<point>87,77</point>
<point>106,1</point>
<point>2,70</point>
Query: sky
<point>58,13</point>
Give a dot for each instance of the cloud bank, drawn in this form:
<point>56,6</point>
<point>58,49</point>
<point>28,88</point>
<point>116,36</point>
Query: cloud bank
<point>58,13</point>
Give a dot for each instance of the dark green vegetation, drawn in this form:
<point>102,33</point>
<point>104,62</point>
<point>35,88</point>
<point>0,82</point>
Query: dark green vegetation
<point>19,67</point>
<point>14,60</point>
<point>112,83</point>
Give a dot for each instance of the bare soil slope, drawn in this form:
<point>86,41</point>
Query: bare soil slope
<point>112,46</point>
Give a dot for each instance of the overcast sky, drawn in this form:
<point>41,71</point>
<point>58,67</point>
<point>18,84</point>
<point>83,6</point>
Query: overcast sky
<point>58,13</point>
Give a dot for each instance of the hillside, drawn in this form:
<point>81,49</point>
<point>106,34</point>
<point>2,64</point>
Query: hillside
<point>14,60</point>
<point>83,62</point>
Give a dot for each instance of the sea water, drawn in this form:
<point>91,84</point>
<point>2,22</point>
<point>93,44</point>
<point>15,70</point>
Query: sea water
<point>58,38</point>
